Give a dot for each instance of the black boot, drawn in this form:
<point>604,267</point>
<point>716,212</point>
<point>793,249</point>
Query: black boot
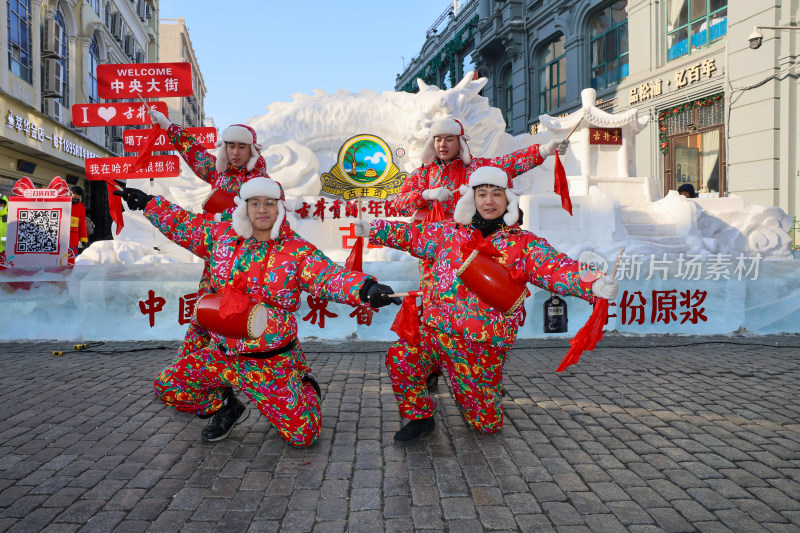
<point>414,430</point>
<point>308,378</point>
<point>433,381</point>
<point>231,413</point>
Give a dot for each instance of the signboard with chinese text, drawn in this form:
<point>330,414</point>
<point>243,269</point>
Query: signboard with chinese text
<point>133,140</point>
<point>36,132</point>
<point>114,114</point>
<point>605,136</point>
<point>149,80</point>
<point>158,166</point>
<point>38,224</point>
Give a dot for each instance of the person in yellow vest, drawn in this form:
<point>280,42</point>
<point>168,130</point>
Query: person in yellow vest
<point>78,237</point>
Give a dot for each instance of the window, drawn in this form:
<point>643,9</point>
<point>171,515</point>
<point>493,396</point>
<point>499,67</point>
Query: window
<point>693,145</point>
<point>107,15</point>
<point>64,53</point>
<point>609,33</point>
<point>94,60</point>
<point>19,38</point>
<point>552,75</point>
<point>694,24</point>
<point>97,7</point>
<point>507,95</point>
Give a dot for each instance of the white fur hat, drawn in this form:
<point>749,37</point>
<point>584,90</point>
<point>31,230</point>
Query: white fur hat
<point>447,126</point>
<point>238,133</point>
<point>258,186</point>
<point>465,208</point>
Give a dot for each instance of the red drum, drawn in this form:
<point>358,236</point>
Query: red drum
<point>492,282</point>
<point>219,201</point>
<point>250,323</point>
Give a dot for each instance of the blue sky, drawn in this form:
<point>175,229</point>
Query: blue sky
<point>253,53</point>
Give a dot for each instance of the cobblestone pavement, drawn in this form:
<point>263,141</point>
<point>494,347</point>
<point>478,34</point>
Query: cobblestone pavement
<point>644,434</point>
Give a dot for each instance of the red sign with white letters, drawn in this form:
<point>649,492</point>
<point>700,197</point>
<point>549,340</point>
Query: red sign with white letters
<point>133,140</point>
<point>158,166</point>
<point>150,80</point>
<point>114,114</point>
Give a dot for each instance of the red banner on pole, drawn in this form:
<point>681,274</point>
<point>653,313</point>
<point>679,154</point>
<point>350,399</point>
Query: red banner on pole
<point>605,136</point>
<point>133,140</point>
<point>114,114</point>
<point>151,80</point>
<point>158,166</point>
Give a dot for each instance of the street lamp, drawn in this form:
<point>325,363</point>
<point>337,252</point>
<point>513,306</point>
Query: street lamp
<point>756,37</point>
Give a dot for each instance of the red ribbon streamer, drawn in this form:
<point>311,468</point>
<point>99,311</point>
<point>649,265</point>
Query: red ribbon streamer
<point>407,322</point>
<point>588,336</point>
<point>115,206</point>
<point>146,153</point>
<point>560,186</point>
<point>355,259</point>
<point>435,215</point>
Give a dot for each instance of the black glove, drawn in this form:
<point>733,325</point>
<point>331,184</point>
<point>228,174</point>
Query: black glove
<point>135,198</point>
<point>376,294</point>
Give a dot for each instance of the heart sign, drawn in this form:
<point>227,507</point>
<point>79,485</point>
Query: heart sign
<point>114,114</point>
<point>106,113</point>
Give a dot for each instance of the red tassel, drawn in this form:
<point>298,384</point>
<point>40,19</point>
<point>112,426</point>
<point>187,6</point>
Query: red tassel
<point>560,186</point>
<point>115,206</point>
<point>406,323</point>
<point>355,259</point>
<point>146,153</point>
<point>588,336</point>
<point>435,215</point>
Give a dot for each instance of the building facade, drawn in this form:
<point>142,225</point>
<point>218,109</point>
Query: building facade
<point>722,113</point>
<point>175,46</point>
<point>50,50</point>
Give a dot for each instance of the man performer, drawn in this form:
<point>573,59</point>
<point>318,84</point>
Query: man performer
<point>446,165</point>
<point>460,332</point>
<point>239,159</point>
<point>78,236</point>
<point>256,258</point>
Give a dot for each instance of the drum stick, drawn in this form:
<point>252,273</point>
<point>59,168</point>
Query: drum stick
<point>398,295</point>
<point>616,263</point>
<point>573,129</point>
<point>145,103</point>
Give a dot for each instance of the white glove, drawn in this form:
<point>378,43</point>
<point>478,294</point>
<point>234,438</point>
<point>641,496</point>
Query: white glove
<point>606,287</point>
<point>562,147</point>
<point>157,117</point>
<point>439,193</point>
<point>361,228</point>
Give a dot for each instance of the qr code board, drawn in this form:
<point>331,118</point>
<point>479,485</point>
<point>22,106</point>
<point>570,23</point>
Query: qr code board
<point>38,230</point>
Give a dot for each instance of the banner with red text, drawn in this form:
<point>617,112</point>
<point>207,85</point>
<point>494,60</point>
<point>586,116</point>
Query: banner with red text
<point>133,140</point>
<point>114,114</point>
<point>150,80</point>
<point>159,166</point>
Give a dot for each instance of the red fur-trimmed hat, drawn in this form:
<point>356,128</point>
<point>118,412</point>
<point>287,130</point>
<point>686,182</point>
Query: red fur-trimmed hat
<point>447,126</point>
<point>465,208</point>
<point>238,133</point>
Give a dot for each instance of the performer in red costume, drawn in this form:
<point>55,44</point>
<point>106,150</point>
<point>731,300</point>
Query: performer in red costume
<point>78,237</point>
<point>239,160</point>
<point>461,332</point>
<point>447,164</point>
<point>256,258</point>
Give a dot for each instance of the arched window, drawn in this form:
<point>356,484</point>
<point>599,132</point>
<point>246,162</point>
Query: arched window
<point>552,75</point>
<point>609,33</point>
<point>19,38</point>
<point>64,60</point>
<point>94,60</point>
<point>97,7</point>
<point>506,95</point>
<point>107,15</point>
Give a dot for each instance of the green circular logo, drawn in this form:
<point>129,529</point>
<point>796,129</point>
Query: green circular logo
<point>364,159</point>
